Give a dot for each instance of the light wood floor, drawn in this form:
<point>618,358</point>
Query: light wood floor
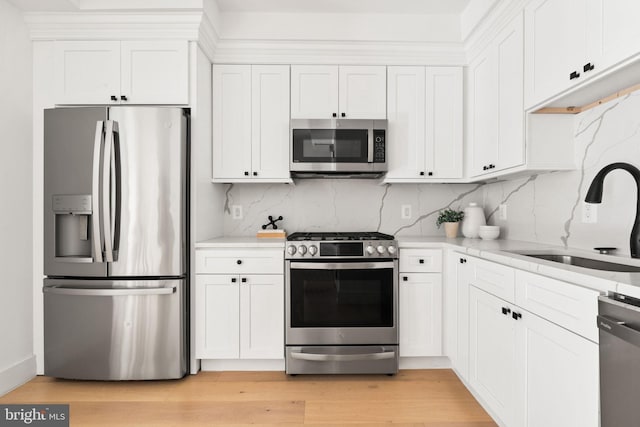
<point>428,398</point>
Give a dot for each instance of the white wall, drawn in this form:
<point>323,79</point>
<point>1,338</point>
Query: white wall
<point>17,363</point>
<point>548,208</point>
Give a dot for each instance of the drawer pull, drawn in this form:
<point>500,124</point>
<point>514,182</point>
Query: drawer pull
<point>243,280</point>
<point>239,262</point>
<point>405,278</point>
<point>516,316</point>
<point>506,310</point>
<point>234,280</point>
<point>421,261</point>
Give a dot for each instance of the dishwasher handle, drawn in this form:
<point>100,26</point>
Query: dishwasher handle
<point>619,329</point>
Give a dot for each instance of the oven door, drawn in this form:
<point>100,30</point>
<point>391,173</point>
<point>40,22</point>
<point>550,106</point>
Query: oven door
<point>341,303</point>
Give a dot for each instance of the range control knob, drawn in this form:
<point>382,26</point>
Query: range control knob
<point>313,249</point>
<point>370,250</point>
<point>391,249</point>
<point>291,250</point>
<point>302,249</point>
<point>381,249</point>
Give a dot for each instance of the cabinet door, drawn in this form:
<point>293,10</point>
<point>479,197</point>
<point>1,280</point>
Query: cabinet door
<point>492,347</point>
<point>420,314</point>
<point>463,276</point>
<point>557,376</point>
<point>614,32</point>
<point>155,72</point>
<point>554,46</point>
<point>262,317</point>
<point>270,121</point>
<point>87,72</point>
<point>483,82</point>
<point>443,122</point>
<point>314,91</point>
<point>363,92</point>
<point>510,120</point>
<point>217,316</point>
<point>406,122</point>
<point>231,121</point>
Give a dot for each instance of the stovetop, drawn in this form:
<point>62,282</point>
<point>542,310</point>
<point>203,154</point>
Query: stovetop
<point>338,236</point>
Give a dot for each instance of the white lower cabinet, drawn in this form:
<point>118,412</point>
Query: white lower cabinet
<point>420,314</point>
<point>557,376</point>
<point>420,302</point>
<point>239,315</point>
<point>492,350</point>
<point>527,370</point>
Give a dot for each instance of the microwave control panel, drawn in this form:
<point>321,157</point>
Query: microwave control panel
<point>379,146</point>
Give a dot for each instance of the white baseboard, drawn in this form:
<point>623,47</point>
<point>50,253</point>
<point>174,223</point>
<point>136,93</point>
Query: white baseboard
<point>242,365</point>
<point>18,374</point>
<point>440,362</point>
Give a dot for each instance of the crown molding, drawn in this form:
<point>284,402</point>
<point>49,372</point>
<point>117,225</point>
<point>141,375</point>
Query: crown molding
<point>180,25</point>
<point>338,52</point>
<point>484,33</point>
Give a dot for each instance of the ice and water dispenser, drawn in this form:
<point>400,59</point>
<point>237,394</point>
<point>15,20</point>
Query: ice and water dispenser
<point>72,227</point>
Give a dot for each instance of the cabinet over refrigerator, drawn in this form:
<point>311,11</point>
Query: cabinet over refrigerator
<point>115,242</point>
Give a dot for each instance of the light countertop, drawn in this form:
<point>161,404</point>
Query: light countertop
<point>500,251</point>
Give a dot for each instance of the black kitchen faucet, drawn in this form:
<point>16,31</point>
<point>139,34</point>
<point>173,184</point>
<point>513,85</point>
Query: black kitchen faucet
<point>594,195</point>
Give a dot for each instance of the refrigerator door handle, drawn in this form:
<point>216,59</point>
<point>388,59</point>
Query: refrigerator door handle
<point>96,230</point>
<point>86,292</point>
<point>109,179</point>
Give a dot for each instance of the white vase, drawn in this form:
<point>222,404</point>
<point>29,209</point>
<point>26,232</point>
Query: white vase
<point>473,219</point>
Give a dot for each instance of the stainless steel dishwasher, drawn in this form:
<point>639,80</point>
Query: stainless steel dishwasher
<point>619,325</point>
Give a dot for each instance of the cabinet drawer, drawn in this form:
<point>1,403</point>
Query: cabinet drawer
<point>240,261</point>
<point>572,307</point>
<point>420,260</point>
<point>496,279</point>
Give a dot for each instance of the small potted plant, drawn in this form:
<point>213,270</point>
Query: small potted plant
<point>451,219</point>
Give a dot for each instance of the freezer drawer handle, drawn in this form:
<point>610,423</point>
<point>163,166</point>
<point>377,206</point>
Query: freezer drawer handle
<point>619,329</point>
<point>342,357</point>
<point>109,292</point>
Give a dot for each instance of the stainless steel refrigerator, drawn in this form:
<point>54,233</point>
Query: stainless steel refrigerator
<point>115,242</point>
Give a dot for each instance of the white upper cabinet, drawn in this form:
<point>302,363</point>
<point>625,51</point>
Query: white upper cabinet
<point>251,123</point>
<point>614,33</point>
<point>443,147</point>
<point>363,92</point>
<point>127,72</point>
<point>424,123</point>
<point>406,122</point>
<point>495,103</point>
<point>270,121</point>
<point>555,46</point>
<point>571,41</point>
<point>331,91</point>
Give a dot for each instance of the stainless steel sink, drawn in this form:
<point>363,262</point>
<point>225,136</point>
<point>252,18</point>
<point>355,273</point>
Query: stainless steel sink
<point>594,264</point>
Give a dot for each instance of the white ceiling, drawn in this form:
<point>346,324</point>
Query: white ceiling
<point>426,7</point>
<point>429,7</point>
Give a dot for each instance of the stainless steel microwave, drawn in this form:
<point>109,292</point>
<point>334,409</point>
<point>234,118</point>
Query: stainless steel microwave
<point>338,148</point>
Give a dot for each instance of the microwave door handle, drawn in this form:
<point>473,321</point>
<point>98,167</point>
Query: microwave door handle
<point>96,196</point>
<point>106,193</point>
<point>370,145</point>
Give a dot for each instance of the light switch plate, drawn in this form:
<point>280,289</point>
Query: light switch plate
<point>405,212</point>
<point>502,212</point>
<point>236,212</point>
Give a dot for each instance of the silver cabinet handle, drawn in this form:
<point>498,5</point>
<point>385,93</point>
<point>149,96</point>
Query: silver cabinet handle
<point>343,357</point>
<point>619,329</point>
<point>341,265</point>
<point>108,292</point>
<point>96,197</point>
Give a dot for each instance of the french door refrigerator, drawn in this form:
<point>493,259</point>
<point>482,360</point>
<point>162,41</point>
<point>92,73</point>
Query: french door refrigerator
<point>115,242</point>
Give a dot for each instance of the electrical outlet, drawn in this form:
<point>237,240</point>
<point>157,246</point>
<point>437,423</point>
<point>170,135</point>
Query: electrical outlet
<point>589,213</point>
<point>236,212</point>
<point>502,212</point>
<point>405,212</point>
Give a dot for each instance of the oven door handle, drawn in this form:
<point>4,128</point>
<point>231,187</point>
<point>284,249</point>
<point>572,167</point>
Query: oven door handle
<point>343,357</point>
<point>341,265</point>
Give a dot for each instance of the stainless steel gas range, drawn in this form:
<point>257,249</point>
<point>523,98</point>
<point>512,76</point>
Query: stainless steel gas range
<point>341,303</point>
